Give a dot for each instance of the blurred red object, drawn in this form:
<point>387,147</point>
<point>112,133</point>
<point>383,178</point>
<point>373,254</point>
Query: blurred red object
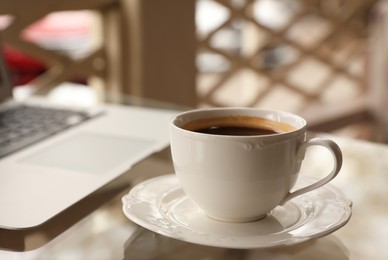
<point>22,68</point>
<point>68,32</point>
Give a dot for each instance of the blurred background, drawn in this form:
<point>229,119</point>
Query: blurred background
<point>325,60</point>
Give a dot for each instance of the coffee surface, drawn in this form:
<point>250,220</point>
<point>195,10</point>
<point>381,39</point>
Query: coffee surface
<point>232,130</point>
<point>237,126</point>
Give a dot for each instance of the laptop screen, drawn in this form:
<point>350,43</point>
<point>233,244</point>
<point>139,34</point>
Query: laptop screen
<point>5,87</point>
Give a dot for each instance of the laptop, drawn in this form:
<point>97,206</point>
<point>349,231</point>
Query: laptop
<point>41,178</point>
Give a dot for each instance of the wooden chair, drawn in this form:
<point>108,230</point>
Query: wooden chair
<point>141,47</point>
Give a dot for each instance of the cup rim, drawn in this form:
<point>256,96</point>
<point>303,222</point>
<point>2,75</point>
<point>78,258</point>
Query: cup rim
<point>178,120</point>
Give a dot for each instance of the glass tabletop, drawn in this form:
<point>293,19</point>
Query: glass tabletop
<point>96,228</point>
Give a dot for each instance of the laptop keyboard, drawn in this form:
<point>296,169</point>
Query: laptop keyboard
<point>24,125</point>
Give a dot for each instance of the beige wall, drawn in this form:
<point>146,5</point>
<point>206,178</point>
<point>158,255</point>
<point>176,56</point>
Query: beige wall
<point>161,43</point>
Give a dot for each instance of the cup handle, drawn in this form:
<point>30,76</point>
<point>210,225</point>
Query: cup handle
<point>337,155</point>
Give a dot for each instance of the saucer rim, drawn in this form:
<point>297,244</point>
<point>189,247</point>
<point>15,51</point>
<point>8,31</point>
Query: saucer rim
<point>347,205</point>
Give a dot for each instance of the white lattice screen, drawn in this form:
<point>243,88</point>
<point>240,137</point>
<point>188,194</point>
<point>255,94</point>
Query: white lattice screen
<point>283,54</point>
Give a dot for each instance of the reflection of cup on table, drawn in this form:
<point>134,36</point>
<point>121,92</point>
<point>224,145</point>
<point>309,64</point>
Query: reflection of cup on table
<point>237,164</point>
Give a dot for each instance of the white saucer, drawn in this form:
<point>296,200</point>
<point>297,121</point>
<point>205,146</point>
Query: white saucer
<point>160,205</point>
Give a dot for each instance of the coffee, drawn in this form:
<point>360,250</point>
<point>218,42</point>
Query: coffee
<point>219,130</point>
<point>237,126</point>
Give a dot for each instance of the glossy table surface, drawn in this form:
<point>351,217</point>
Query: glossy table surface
<point>96,228</point>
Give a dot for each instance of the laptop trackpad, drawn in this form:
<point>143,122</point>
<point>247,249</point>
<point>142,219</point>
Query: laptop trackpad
<point>92,153</point>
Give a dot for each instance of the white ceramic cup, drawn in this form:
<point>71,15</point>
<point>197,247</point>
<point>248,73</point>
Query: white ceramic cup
<point>242,178</point>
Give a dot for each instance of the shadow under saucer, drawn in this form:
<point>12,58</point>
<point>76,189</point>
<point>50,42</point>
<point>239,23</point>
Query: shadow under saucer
<point>145,244</point>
